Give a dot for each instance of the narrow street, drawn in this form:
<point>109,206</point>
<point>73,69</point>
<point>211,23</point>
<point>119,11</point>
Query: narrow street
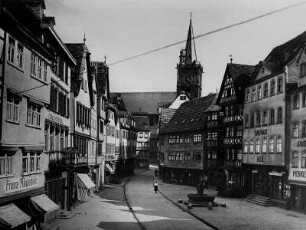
<point>108,209</point>
<point>153,210</point>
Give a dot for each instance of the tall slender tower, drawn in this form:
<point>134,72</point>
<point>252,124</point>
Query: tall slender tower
<point>189,70</point>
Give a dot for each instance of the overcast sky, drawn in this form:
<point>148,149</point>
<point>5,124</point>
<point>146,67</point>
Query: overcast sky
<point>123,28</point>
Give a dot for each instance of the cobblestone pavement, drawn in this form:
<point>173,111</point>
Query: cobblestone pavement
<point>108,210</point>
<point>238,213</point>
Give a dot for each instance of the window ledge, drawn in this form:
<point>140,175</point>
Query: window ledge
<point>32,173</point>
<point>40,80</point>
<point>15,66</point>
<point>6,176</point>
<point>33,126</point>
<point>13,122</point>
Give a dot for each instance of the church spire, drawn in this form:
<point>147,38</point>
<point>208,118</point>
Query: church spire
<point>188,47</point>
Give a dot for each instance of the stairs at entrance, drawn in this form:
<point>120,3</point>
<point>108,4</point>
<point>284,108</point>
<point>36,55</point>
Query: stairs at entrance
<point>260,200</point>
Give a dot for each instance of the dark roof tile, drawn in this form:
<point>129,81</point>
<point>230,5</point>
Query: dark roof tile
<point>190,116</point>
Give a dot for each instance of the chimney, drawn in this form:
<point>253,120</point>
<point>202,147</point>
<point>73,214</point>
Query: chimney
<point>37,7</point>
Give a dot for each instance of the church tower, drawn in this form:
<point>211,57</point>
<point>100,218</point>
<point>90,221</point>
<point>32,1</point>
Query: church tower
<point>189,70</point>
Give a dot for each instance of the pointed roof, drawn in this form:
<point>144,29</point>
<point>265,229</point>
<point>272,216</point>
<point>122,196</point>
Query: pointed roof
<point>240,74</point>
<point>79,52</point>
<point>188,47</point>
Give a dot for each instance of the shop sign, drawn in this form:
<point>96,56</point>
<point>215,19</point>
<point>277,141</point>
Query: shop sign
<point>301,144</point>
<point>297,174</point>
<point>260,132</point>
<point>20,183</point>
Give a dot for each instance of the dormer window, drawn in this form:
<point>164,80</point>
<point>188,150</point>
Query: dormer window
<point>183,98</point>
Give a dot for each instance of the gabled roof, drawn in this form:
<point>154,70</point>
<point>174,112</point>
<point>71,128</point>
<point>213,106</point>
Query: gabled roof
<point>282,54</point>
<point>146,101</point>
<point>79,52</point>
<point>241,75</point>
<point>190,116</point>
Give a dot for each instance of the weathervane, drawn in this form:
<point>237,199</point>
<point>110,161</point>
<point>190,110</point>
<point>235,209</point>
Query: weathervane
<point>105,56</point>
<point>84,38</point>
<point>231,58</point>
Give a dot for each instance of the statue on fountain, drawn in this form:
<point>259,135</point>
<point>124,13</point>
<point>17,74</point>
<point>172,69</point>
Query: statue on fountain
<point>200,199</point>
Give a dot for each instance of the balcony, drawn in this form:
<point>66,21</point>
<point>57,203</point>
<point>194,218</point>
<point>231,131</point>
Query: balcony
<point>65,157</point>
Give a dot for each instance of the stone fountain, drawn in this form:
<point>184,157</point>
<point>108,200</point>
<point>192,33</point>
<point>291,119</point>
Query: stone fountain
<point>200,199</point>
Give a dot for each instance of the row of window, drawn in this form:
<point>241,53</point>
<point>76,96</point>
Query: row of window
<point>83,115</point>
<point>298,160</point>
<point>179,139</point>
<point>261,91</point>
<point>184,156</point>
<point>232,110</point>
<point>31,163</point>
<point>13,111</point>
<point>16,57</point>
<point>234,131</point>
<point>267,117</point>
<point>59,102</point>
<point>264,145</point>
<point>81,144</point>
<point>56,138</point>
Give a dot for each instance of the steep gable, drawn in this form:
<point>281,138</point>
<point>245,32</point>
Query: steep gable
<point>235,78</point>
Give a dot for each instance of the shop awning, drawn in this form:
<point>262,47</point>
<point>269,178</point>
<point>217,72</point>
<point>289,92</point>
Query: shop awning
<point>11,216</point>
<point>273,173</point>
<point>85,180</point>
<point>45,205</point>
<point>110,168</point>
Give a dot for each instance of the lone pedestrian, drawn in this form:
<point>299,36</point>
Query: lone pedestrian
<point>155,185</point>
<point>155,172</point>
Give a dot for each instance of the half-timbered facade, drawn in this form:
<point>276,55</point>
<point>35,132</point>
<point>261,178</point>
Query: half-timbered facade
<point>230,99</point>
